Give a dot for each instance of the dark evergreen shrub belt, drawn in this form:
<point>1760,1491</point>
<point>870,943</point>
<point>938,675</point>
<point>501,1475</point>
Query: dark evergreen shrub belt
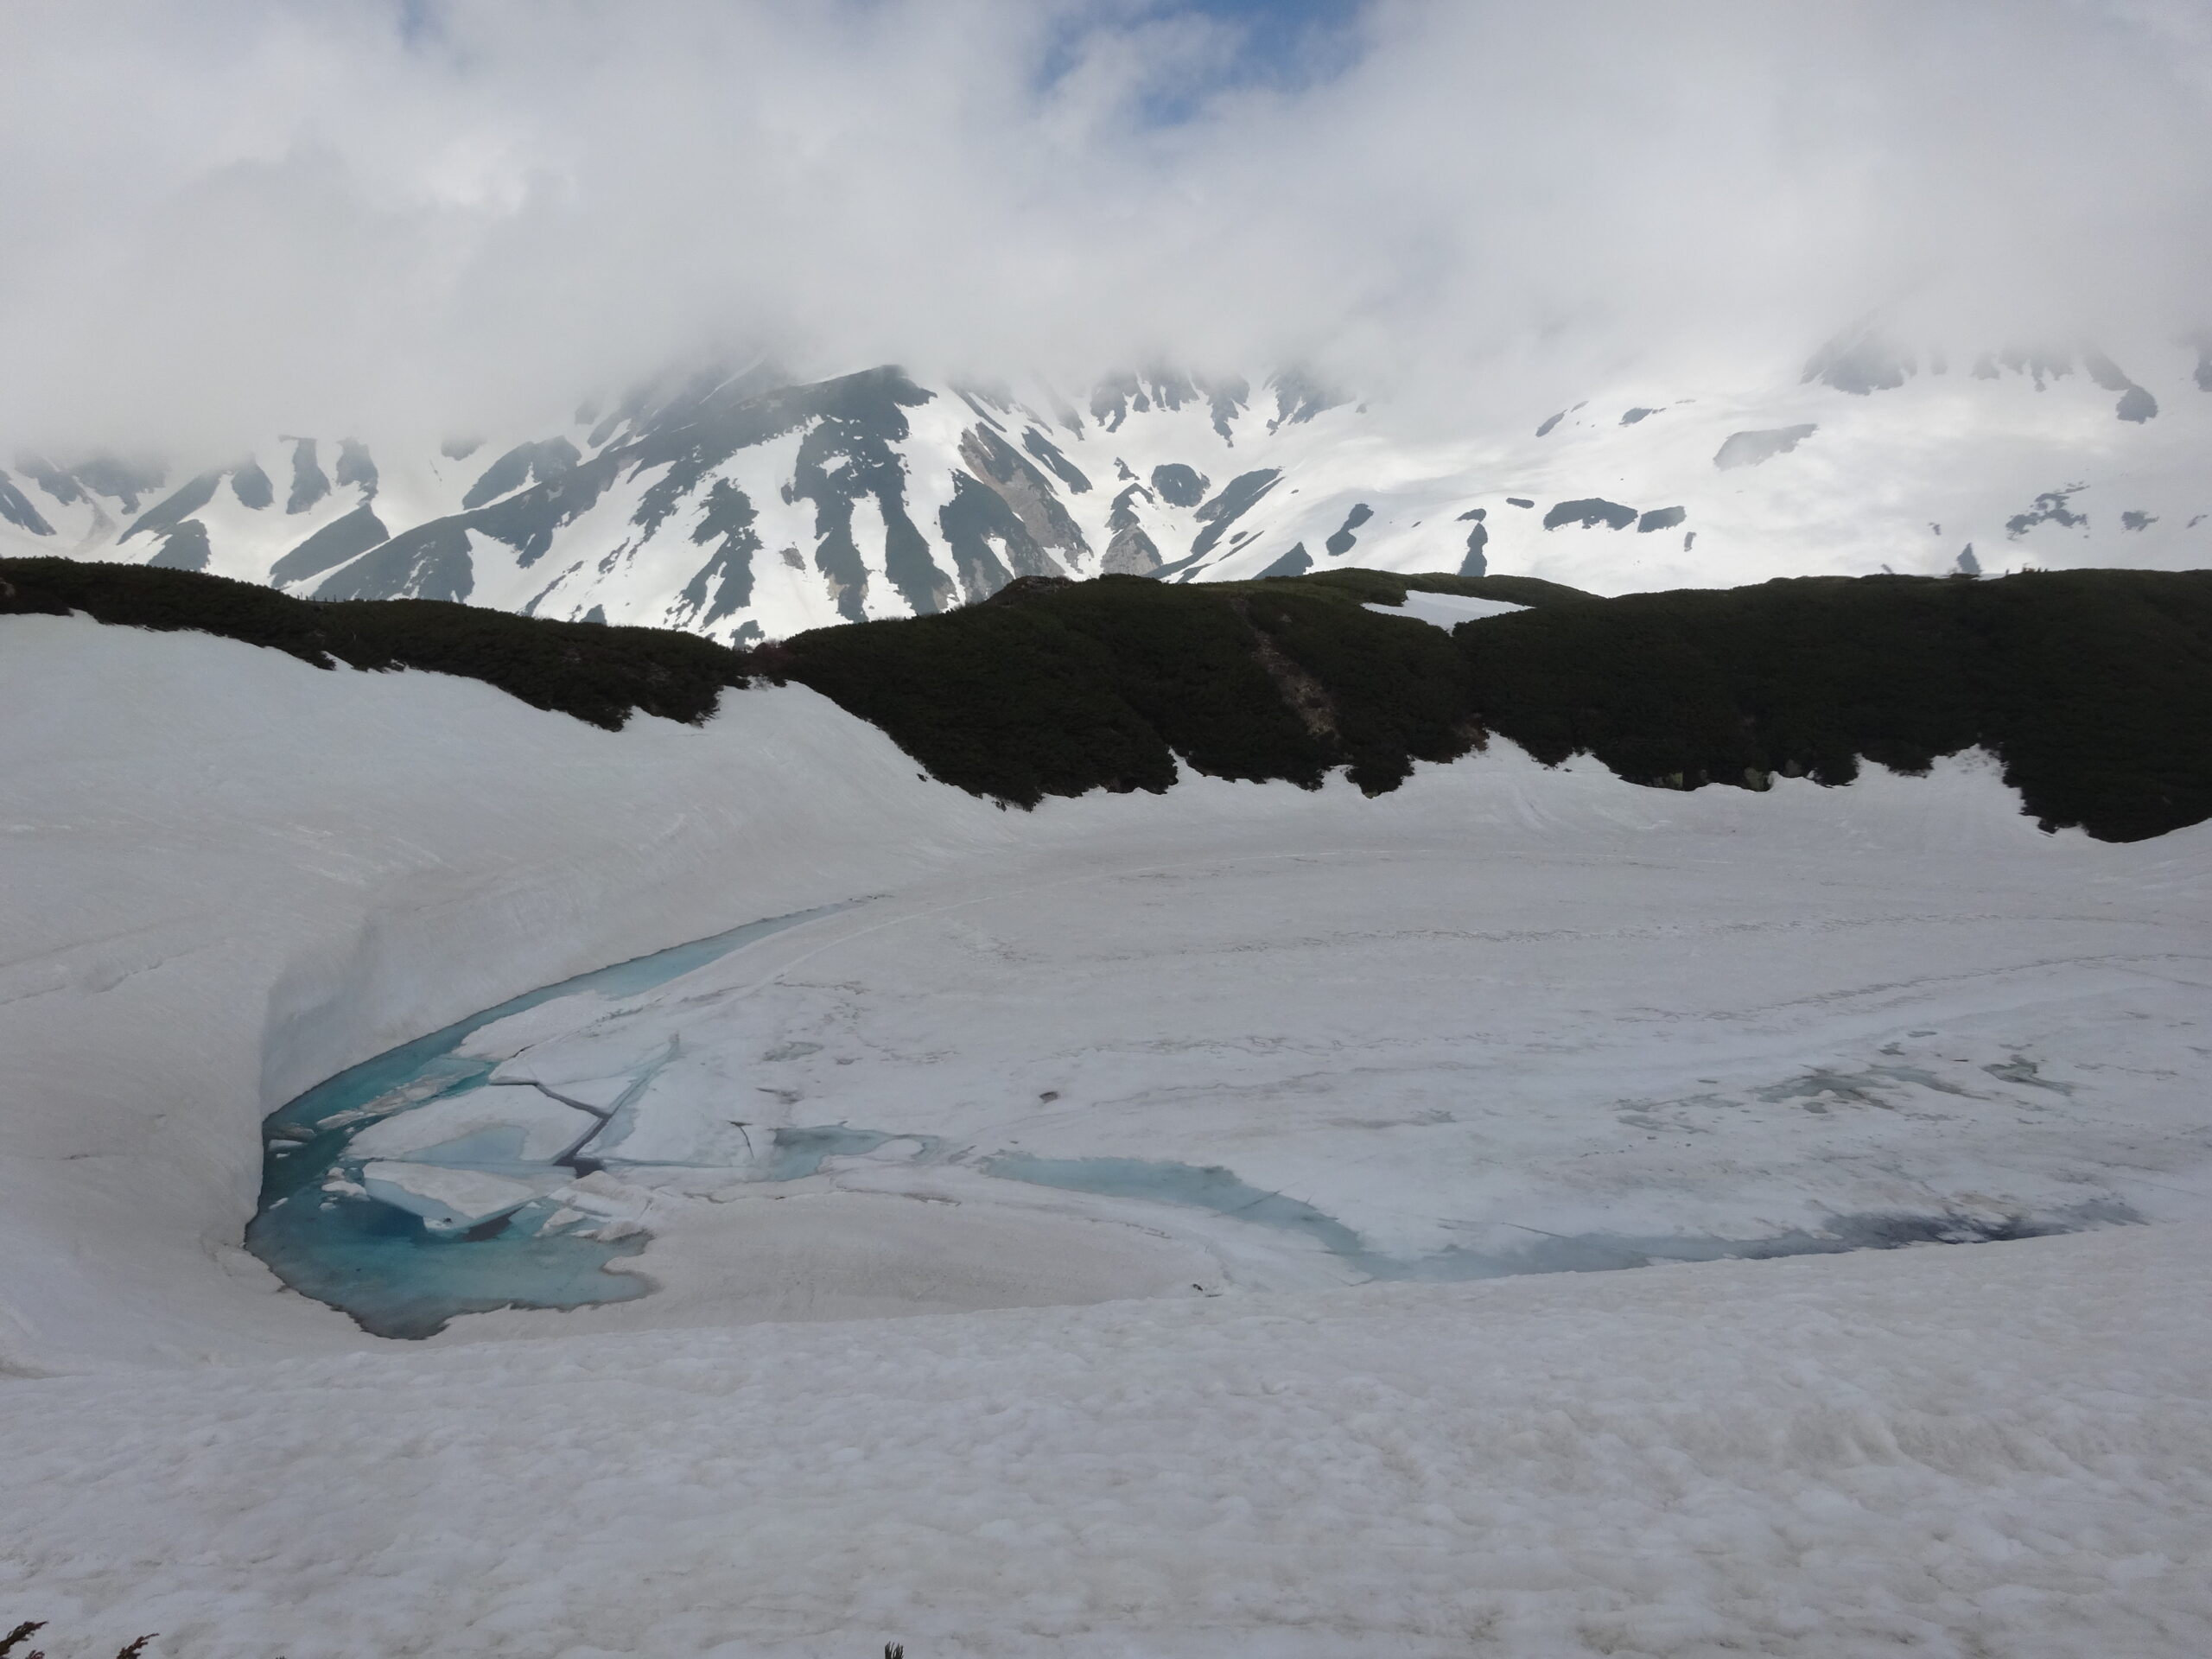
<point>2094,688</point>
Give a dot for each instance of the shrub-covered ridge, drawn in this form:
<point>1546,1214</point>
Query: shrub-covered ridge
<point>2094,688</point>
<point>596,673</point>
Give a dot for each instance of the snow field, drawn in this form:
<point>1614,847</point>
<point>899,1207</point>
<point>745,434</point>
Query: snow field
<point>1950,1453</point>
<point>1501,997</point>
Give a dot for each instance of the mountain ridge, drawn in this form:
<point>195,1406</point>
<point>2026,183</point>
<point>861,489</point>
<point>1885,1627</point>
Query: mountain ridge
<point>746,506</point>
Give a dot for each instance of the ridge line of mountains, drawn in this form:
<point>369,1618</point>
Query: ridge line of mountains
<point>745,506</point>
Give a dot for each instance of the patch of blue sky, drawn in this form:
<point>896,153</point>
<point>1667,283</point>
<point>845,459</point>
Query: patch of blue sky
<point>1285,45</point>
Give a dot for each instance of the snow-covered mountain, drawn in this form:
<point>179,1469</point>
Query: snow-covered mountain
<point>745,506</point>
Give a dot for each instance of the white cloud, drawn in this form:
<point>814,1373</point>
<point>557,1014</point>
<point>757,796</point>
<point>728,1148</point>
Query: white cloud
<point>225,217</point>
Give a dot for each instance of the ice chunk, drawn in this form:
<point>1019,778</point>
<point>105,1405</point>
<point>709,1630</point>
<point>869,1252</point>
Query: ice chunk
<point>683,1114</point>
<point>505,1038</point>
<point>600,1194</point>
<point>449,1200</point>
<point>489,1126</point>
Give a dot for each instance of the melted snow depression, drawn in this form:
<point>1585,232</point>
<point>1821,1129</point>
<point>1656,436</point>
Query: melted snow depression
<point>1286,829</point>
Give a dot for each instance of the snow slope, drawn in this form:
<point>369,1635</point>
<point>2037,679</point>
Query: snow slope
<point>745,507</point>
<point>2004,1450</point>
<point>1495,996</point>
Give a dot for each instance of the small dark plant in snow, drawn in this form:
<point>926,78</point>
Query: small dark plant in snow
<point>30,1627</point>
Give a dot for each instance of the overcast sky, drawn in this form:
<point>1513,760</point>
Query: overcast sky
<point>241,216</point>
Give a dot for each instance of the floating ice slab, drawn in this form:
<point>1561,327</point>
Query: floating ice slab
<point>449,1200</point>
<point>1446,611</point>
<point>495,1126</point>
<point>683,1114</point>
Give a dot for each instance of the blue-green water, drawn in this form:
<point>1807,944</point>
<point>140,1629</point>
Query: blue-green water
<point>381,1265</point>
<point>397,1278</point>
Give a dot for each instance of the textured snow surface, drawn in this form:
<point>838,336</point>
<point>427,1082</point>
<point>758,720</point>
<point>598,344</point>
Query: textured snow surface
<point>1531,1001</point>
<point>2004,1450</point>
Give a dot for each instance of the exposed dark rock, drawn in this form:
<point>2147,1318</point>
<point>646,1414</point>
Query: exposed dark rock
<point>2134,520</point>
<point>977,516</point>
<point>336,542</point>
<point>1630,417</point>
<point>1518,501</point>
<point>1859,360</point>
<point>1110,400</point>
<point>1474,515</point>
<point>998,464</point>
<point>1048,452</point>
<point>2106,372</point>
<point>167,514</point>
<point>977,405</point>
<point>1130,553</point>
<point>1750,449</point>
<point>1225,399</point>
<point>1122,515</point>
<point>16,507</point>
<point>1296,562</point>
<point>428,562</point>
<point>1967,565</point>
<point>723,585</point>
<point>1545,430</point>
<point>1341,543</point>
<point>1660,518</point>
<point>2041,363</point>
<point>53,479</point>
<point>525,464</point>
<point>1236,498</point>
<point>355,468</point>
<point>2051,508</point>
<point>184,547</point>
<point>309,482</point>
<point>1476,562</point>
<point>1589,514</point>
<point>842,459</point>
<point>252,486</point>
<point>1180,486</point>
<point>1299,397</point>
<point>2135,403</point>
<point>110,475</point>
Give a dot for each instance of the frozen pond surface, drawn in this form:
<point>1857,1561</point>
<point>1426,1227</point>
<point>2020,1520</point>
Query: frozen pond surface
<point>390,1253</point>
<point>1240,1067</point>
<point>1270,1070</point>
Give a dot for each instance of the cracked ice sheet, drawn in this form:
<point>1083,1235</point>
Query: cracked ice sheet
<point>1485,1042</point>
<point>2000,1450</point>
<point>497,1125</point>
